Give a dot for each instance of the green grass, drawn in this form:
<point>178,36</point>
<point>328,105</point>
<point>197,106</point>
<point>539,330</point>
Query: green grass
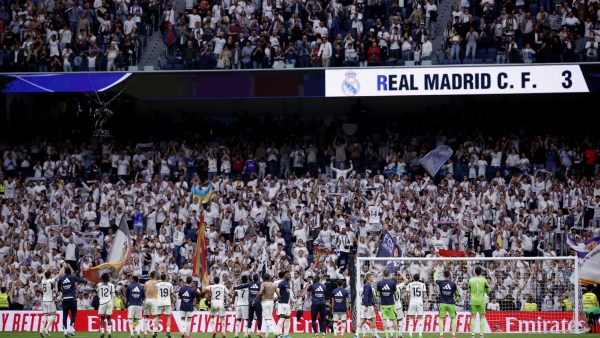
<point>299,335</point>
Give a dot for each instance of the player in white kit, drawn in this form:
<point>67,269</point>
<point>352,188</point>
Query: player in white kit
<point>400,287</point>
<point>106,293</point>
<point>48,300</point>
<point>217,305</point>
<point>416,292</point>
<point>240,299</point>
<point>164,303</point>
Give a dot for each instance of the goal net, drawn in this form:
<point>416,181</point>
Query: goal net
<point>526,294</point>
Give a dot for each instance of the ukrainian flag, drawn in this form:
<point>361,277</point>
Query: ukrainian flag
<point>203,195</point>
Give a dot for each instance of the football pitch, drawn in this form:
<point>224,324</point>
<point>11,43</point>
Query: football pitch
<point>299,335</point>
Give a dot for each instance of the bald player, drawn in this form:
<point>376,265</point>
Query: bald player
<point>150,304</point>
<point>268,290</point>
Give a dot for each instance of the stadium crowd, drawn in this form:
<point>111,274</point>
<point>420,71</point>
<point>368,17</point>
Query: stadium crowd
<point>50,35</point>
<point>308,205</point>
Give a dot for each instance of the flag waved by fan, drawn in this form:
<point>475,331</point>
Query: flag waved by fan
<point>200,267</point>
<point>435,159</point>
<point>589,259</point>
<point>203,195</point>
<point>387,248</point>
<point>455,253</point>
<point>118,256</point>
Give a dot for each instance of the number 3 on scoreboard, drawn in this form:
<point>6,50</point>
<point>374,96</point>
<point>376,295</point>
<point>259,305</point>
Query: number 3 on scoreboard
<point>568,82</point>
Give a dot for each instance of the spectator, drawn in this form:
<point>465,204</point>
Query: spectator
<point>269,223</point>
<point>591,47</point>
<point>374,54</point>
<point>5,302</point>
<point>472,38</point>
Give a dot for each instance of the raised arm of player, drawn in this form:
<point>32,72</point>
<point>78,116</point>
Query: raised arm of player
<point>403,276</point>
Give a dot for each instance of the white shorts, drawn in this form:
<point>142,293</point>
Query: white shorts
<point>186,314</point>
<point>399,313</point>
<point>367,312</point>
<point>415,309</point>
<point>284,310</point>
<point>217,309</point>
<point>49,307</point>
<point>134,311</point>
<point>150,307</point>
<point>241,312</point>
<point>267,308</point>
<point>106,309</point>
<point>339,316</point>
<point>166,309</point>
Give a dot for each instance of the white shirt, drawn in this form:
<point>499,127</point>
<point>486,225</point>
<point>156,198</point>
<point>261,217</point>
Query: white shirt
<point>341,172</point>
<point>398,296</point>
<point>374,214</point>
<point>326,50</point>
<point>128,26</point>
<point>217,295</point>
<point>164,289</point>
<point>193,19</point>
<point>493,306</point>
<point>496,159</point>
<point>416,291</point>
<point>426,49</point>
<point>438,243</point>
<point>48,290</point>
<point>70,254</point>
<point>241,298</point>
<point>122,167</point>
<point>106,293</point>
<point>219,43</point>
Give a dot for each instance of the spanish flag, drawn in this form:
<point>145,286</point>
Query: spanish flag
<point>454,253</point>
<point>118,256</point>
<point>203,195</point>
<point>200,268</point>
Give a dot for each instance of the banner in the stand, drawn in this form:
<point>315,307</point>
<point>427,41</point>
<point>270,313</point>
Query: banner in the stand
<point>413,81</point>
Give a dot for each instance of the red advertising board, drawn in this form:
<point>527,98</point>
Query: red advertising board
<point>509,322</point>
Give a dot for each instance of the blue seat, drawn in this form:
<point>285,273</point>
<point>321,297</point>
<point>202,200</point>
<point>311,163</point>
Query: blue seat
<point>171,60</point>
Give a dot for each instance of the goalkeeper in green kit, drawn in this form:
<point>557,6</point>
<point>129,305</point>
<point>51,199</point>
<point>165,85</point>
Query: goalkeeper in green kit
<point>448,297</point>
<point>478,288</point>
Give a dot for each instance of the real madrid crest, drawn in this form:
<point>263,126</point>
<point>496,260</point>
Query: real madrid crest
<point>350,86</point>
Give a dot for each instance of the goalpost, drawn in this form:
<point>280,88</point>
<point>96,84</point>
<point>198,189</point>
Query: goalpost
<point>551,283</point>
